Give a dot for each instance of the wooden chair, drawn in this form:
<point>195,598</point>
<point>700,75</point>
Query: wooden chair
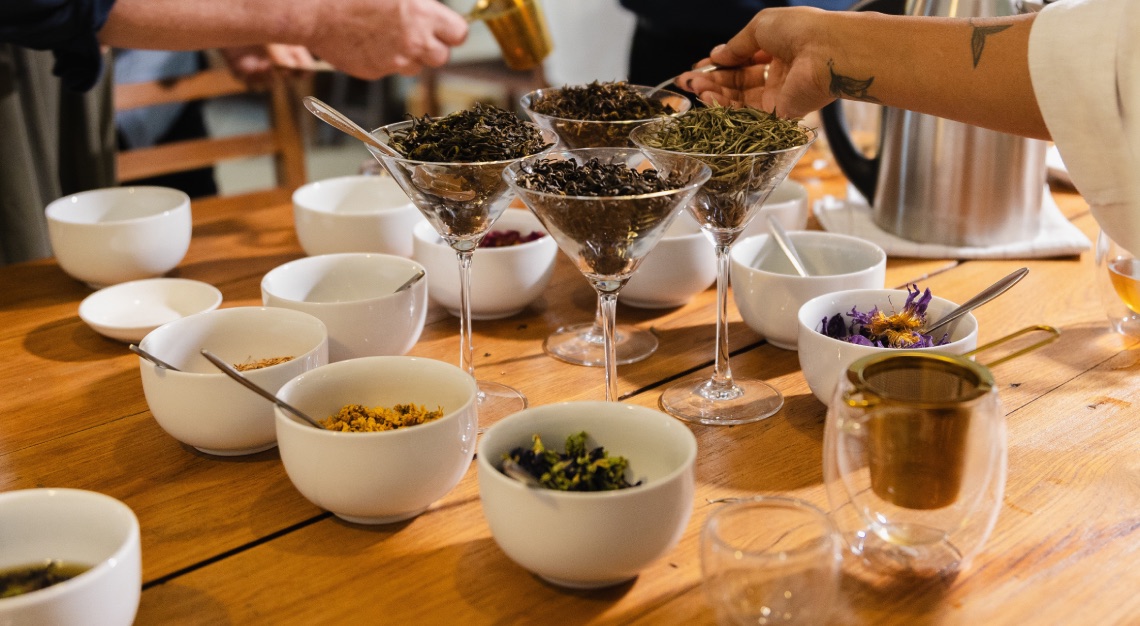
<point>515,84</point>
<point>283,140</point>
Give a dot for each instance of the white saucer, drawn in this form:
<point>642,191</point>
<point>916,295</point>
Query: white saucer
<point>128,311</point>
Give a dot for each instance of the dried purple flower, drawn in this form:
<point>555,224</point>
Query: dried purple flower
<point>878,329</point>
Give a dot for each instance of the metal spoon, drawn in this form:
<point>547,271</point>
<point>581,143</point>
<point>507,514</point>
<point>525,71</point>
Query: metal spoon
<point>987,294</point>
<point>703,69</point>
<point>514,470</point>
<point>341,122</point>
<point>153,359</point>
<point>785,243</point>
<point>236,375</point>
<point>411,281</point>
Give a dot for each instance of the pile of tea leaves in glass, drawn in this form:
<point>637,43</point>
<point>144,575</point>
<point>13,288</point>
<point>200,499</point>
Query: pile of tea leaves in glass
<point>607,231</point>
<point>457,162</point>
<point>729,140</point>
<point>601,114</point>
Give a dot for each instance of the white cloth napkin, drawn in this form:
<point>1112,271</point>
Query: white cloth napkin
<point>1057,237</point>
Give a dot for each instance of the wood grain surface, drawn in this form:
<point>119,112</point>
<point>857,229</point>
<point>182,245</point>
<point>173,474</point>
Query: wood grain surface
<point>230,541</point>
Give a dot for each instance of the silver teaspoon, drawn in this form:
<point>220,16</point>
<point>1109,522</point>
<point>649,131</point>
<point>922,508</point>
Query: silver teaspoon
<point>987,294</point>
<point>254,387</point>
<point>153,359</point>
<point>341,122</point>
<point>785,243</point>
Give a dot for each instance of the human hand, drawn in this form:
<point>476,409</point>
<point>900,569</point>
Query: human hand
<point>373,38</point>
<point>254,64</point>
<point>768,65</point>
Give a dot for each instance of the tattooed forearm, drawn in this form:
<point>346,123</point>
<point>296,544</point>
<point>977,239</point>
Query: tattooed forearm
<point>978,39</point>
<point>854,88</point>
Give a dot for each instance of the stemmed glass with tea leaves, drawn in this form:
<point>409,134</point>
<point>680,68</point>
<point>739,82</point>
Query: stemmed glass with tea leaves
<point>606,208</point>
<point>600,115</point>
<point>451,168</point>
<point>750,152</point>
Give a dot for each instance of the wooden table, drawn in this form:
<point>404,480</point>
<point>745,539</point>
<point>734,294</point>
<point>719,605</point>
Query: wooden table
<point>230,541</point>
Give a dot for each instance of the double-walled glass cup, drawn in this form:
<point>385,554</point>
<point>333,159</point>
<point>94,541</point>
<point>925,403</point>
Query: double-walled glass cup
<point>915,461</point>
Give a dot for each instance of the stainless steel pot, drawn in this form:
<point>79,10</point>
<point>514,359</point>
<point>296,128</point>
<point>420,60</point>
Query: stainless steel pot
<point>939,181</point>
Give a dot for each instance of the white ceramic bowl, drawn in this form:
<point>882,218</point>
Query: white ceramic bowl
<point>354,214</point>
<point>201,406</point>
<point>595,539</point>
<point>768,291</point>
<point>504,280</point>
<point>788,203</point>
<point>113,235</point>
<point>76,527</point>
<point>823,359</point>
<point>379,477</point>
<point>679,267</point>
<point>128,311</point>
<point>354,294</point>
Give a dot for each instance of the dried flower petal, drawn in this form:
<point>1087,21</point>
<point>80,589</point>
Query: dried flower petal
<point>882,330</point>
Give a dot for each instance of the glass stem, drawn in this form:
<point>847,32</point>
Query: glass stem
<point>466,360</point>
<point>722,374</point>
<point>598,329</point>
<point>607,303</point>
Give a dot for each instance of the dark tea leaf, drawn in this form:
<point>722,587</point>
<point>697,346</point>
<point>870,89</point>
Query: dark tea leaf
<point>477,134</point>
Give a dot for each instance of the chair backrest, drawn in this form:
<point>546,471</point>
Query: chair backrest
<point>283,140</point>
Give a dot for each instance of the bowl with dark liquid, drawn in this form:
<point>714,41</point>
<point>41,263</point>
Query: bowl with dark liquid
<point>68,556</point>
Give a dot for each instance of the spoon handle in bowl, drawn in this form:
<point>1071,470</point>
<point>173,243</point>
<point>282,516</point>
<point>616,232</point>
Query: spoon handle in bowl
<point>236,375</point>
<point>987,294</point>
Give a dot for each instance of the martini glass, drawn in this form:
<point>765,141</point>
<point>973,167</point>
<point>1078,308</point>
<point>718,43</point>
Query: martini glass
<point>608,236</point>
<point>739,186</point>
<point>583,344</point>
<point>461,201</point>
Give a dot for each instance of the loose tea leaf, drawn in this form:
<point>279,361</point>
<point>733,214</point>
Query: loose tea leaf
<point>477,134</point>
<point>608,101</point>
<point>577,469</point>
<point>608,231</point>
<point>743,148</point>
<point>600,115</point>
<point>460,187</point>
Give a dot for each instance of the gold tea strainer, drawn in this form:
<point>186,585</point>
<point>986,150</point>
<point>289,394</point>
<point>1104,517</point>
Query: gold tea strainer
<point>929,379</point>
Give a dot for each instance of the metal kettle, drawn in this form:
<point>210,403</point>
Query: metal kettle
<point>939,181</point>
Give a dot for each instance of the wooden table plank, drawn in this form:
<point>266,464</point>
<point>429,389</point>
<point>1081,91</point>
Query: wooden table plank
<point>1066,535</point>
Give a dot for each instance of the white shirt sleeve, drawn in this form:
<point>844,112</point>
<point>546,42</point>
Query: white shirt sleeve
<point>1084,60</point>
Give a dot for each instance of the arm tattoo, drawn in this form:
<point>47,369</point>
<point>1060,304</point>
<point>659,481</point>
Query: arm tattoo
<point>978,39</point>
<point>851,87</point>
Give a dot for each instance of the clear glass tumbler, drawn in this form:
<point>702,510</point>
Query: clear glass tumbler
<point>770,560</point>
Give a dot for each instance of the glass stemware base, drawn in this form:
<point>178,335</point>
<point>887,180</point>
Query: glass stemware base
<point>704,401</point>
<point>584,344</point>
<point>497,401</point>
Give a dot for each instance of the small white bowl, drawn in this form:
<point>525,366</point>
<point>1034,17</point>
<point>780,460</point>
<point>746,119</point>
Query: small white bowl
<point>354,294</point>
<point>824,359</point>
<point>679,267</point>
<point>113,235</point>
<point>504,280</point>
<point>76,527</point>
<point>768,292</point>
<point>354,214</point>
<point>201,406</point>
<point>379,477</point>
<point>788,203</point>
<point>595,539</point>
<point>128,311</point>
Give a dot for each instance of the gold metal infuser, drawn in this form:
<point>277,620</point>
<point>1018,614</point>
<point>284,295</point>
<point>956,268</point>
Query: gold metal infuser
<point>920,406</point>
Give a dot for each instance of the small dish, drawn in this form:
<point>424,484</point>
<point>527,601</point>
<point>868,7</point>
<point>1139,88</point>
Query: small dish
<point>128,311</point>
